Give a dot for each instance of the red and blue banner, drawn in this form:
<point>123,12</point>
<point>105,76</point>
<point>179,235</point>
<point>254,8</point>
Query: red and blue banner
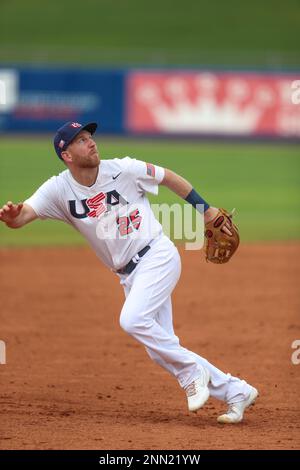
<point>199,103</point>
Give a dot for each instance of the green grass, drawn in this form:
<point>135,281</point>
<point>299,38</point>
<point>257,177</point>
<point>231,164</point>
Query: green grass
<point>151,33</point>
<point>262,181</point>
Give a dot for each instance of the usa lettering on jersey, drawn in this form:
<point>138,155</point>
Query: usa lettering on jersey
<point>97,203</point>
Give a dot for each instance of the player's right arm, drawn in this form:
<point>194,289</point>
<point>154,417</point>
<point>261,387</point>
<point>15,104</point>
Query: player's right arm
<point>17,215</point>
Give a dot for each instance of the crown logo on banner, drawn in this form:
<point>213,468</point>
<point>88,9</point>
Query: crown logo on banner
<point>177,105</point>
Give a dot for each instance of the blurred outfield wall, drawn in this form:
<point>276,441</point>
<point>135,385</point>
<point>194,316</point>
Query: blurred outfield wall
<point>152,102</point>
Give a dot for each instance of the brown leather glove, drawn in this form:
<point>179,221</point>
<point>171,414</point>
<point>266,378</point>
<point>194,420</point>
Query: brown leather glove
<point>219,245</point>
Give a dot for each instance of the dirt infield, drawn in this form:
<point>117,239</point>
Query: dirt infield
<point>75,380</point>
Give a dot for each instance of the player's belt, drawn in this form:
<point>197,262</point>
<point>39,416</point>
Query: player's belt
<point>134,261</point>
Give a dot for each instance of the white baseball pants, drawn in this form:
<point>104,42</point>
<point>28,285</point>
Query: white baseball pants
<point>147,316</point>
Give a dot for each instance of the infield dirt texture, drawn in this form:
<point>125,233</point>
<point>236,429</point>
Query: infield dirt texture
<point>75,380</point>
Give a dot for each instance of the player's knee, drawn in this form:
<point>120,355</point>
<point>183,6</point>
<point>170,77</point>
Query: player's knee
<point>130,323</point>
<point>126,323</point>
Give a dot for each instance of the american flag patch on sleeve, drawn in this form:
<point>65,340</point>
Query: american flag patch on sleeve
<point>150,169</point>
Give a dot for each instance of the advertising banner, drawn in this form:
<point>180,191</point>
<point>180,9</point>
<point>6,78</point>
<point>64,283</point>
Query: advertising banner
<point>200,103</point>
<point>41,99</point>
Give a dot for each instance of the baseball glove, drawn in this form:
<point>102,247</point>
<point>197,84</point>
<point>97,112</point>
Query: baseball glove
<point>219,245</point>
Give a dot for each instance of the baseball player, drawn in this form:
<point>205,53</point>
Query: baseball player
<point>106,201</point>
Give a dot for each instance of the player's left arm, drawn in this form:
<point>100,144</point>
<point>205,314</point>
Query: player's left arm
<point>185,190</point>
<point>222,236</point>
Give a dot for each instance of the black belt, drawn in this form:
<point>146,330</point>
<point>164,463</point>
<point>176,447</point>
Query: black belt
<point>132,264</point>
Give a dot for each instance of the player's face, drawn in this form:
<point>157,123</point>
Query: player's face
<point>83,151</point>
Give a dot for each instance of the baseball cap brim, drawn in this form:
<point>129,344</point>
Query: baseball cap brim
<point>91,127</point>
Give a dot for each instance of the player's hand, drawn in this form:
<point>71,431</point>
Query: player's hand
<point>10,211</point>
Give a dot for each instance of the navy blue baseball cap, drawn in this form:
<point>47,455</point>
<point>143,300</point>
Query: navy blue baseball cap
<point>68,132</point>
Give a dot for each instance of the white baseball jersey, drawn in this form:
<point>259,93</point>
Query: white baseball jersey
<point>113,214</point>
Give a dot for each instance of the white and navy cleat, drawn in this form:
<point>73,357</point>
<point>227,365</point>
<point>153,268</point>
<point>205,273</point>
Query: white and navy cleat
<point>197,392</point>
<point>235,411</point>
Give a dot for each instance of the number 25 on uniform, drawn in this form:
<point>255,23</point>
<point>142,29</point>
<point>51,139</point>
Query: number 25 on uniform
<point>126,224</point>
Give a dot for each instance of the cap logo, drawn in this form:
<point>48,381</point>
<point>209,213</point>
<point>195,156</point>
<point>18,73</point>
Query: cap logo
<point>61,144</point>
<point>76,124</point>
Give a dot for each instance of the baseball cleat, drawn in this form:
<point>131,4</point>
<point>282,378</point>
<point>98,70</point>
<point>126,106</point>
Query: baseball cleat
<point>235,411</point>
<point>197,392</point>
